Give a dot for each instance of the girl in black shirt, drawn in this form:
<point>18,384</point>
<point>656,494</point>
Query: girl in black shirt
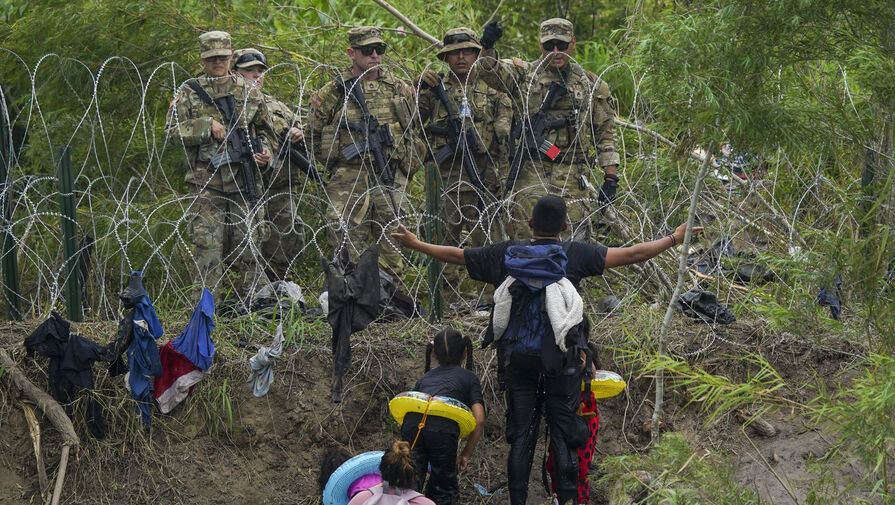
<point>436,444</point>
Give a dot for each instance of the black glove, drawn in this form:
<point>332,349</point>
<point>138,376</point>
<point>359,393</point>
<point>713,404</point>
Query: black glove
<point>607,191</point>
<point>493,32</point>
<point>429,79</point>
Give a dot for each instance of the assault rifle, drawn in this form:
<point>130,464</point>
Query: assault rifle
<point>296,157</point>
<point>465,142</point>
<point>374,138</point>
<point>532,130</point>
<point>241,146</point>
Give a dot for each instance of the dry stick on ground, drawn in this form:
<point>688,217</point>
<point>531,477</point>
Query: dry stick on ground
<point>34,429</point>
<point>681,277</point>
<point>410,24</point>
<point>52,410</point>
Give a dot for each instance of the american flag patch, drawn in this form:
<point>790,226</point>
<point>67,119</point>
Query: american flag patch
<point>317,99</point>
<point>518,62</point>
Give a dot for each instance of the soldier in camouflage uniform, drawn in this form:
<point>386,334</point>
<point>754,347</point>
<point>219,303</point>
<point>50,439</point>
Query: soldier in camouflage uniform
<point>285,238</point>
<point>360,207</point>
<point>588,138</point>
<point>224,227</point>
<point>467,211</point>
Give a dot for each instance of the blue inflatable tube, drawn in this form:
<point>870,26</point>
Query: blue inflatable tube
<point>336,490</point>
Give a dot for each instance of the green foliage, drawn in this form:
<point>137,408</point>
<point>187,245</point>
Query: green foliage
<point>671,473</point>
<point>718,394</point>
<point>860,416</point>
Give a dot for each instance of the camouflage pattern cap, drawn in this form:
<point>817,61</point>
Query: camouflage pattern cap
<point>248,57</point>
<point>214,44</point>
<point>458,38</point>
<point>360,36</point>
<point>557,29</point>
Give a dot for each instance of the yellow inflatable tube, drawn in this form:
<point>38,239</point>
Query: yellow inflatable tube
<point>606,384</point>
<point>441,406</point>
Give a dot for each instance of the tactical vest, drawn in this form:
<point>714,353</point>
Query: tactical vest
<point>199,157</point>
<point>385,103</point>
<point>573,140</point>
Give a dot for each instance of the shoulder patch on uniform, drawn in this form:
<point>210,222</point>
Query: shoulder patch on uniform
<point>518,62</point>
<point>316,99</point>
<point>175,99</point>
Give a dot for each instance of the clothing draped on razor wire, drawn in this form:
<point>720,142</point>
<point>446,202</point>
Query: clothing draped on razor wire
<point>187,359</point>
<point>71,364</point>
<point>263,362</point>
<point>143,354</point>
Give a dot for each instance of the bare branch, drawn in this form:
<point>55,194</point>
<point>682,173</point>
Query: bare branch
<point>410,24</point>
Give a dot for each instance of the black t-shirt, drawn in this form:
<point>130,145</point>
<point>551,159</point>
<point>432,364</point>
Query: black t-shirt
<point>486,264</point>
<point>452,381</point>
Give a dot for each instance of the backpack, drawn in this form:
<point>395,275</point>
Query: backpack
<point>531,269</point>
<point>534,267</point>
<point>379,498</point>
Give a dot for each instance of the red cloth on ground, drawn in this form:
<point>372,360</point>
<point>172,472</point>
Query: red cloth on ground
<point>585,454</point>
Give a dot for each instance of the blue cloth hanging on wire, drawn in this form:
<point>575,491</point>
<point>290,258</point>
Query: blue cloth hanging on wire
<point>195,341</point>
<point>142,354</point>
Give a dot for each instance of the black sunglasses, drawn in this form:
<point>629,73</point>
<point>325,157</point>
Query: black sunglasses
<point>216,59</point>
<point>368,50</point>
<point>470,51</point>
<point>456,39</point>
<point>550,44</point>
<point>247,57</point>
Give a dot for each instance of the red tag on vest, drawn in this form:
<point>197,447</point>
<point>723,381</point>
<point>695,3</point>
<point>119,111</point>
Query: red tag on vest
<point>553,152</point>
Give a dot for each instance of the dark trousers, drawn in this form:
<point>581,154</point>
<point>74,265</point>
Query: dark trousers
<point>529,393</point>
<point>438,449</point>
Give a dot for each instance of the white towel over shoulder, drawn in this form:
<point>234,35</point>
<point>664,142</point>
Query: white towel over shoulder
<point>565,308</point>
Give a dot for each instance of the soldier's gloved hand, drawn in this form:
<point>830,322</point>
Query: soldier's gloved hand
<point>608,189</point>
<point>492,33</point>
<point>218,131</point>
<point>429,79</point>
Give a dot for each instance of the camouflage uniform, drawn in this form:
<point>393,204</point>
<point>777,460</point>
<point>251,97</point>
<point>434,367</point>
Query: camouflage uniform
<point>360,209</point>
<point>285,231</point>
<point>491,115</point>
<point>588,140</point>
<point>224,227</point>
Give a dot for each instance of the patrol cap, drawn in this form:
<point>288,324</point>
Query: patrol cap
<point>248,57</point>
<point>214,43</point>
<point>360,36</point>
<point>458,38</point>
<point>557,29</point>
<point>549,214</point>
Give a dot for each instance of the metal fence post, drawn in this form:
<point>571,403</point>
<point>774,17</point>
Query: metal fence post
<point>433,235</point>
<point>9,248</point>
<point>69,235</point>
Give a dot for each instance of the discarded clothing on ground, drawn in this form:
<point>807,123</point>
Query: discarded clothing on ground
<point>829,297</point>
<point>263,362</point>
<point>281,297</point>
<point>394,304</point>
<point>708,262</point>
<point>142,353</point>
<point>186,359</point>
<point>721,254</point>
<point>698,303</point>
<point>71,364</point>
<point>353,298</point>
